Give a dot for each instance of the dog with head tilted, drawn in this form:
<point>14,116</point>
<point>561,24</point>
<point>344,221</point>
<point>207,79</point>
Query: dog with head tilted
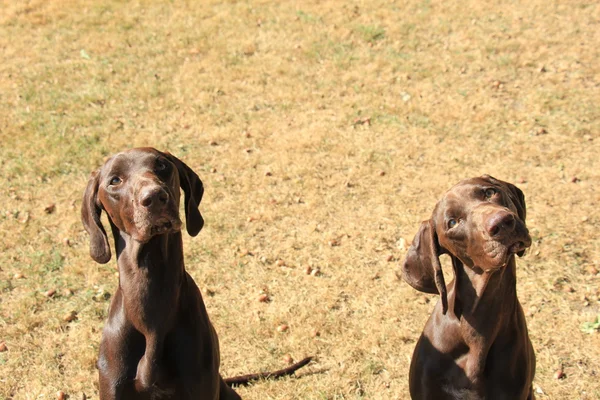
<point>475,344</point>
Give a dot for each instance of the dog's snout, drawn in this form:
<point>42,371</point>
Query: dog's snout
<point>153,196</point>
<point>500,223</point>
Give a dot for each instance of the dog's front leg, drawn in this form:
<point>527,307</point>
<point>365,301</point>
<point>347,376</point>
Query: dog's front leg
<point>148,370</point>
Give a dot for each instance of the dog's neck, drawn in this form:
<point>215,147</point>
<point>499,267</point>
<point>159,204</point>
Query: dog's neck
<point>161,254</point>
<point>483,293</point>
<point>486,306</point>
<point>151,277</point>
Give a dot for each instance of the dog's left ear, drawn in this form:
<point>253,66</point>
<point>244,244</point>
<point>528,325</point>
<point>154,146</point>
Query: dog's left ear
<point>193,190</point>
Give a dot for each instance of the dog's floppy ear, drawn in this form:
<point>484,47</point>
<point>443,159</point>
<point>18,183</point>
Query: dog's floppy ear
<point>422,269</point>
<point>90,216</point>
<point>193,190</point>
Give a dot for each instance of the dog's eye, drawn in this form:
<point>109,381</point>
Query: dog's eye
<point>489,193</point>
<point>115,180</point>
<point>452,223</point>
<point>160,165</point>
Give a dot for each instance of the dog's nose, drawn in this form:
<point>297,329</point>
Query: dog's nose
<point>499,223</point>
<point>154,196</point>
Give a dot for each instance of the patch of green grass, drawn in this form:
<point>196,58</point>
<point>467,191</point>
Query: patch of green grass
<point>370,33</point>
<point>44,262</point>
<point>591,327</point>
<point>309,18</point>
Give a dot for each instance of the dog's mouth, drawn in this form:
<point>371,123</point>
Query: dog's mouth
<point>161,227</point>
<point>165,224</point>
<point>499,254</point>
<point>158,226</point>
<point>518,247</point>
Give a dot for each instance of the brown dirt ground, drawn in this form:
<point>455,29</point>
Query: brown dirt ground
<point>309,123</point>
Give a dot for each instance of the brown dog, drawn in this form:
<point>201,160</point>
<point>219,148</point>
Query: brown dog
<point>158,341</point>
<point>475,345</point>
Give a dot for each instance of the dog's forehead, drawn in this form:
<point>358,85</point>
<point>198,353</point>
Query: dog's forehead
<point>478,181</point>
<point>467,189</point>
<point>137,157</point>
<point>449,206</point>
<point>464,190</point>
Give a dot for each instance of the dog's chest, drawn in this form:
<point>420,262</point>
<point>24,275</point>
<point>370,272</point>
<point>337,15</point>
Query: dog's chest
<point>149,300</point>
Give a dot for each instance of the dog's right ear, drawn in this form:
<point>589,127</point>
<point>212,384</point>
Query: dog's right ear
<point>422,269</point>
<point>90,216</point>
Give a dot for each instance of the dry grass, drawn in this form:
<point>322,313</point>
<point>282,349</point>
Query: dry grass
<point>364,113</point>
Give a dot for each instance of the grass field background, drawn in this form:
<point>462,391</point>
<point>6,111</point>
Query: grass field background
<point>324,132</point>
